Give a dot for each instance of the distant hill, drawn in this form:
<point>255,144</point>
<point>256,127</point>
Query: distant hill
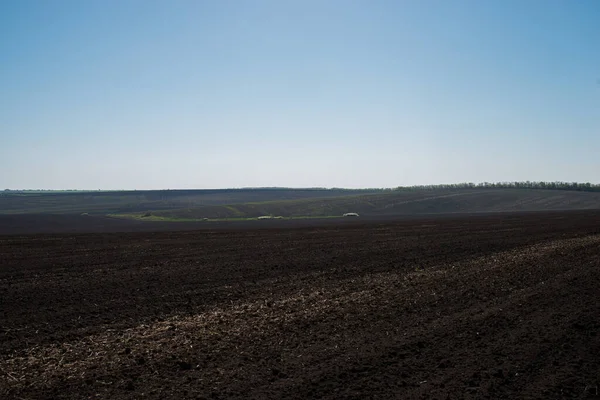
<point>106,202</point>
<point>317,202</point>
<point>401,203</point>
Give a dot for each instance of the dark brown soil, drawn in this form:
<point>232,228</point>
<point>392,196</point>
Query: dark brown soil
<point>496,306</point>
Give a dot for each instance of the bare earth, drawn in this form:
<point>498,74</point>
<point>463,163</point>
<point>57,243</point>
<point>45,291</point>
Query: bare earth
<point>496,306</point>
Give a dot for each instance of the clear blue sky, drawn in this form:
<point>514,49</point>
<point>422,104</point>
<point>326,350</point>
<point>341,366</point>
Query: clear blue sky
<point>123,94</point>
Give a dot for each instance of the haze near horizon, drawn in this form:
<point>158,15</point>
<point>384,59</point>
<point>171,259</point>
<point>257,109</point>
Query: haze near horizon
<point>217,94</point>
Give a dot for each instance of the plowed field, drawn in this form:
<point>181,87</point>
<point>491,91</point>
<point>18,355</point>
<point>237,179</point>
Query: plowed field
<point>498,306</point>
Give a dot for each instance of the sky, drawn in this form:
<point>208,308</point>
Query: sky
<point>147,94</point>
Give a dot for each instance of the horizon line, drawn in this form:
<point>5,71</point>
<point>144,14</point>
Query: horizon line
<point>437,185</point>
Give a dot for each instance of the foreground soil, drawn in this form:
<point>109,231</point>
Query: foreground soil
<point>497,306</point>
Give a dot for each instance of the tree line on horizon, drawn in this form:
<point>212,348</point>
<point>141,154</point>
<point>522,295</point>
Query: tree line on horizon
<point>575,186</point>
<point>558,185</point>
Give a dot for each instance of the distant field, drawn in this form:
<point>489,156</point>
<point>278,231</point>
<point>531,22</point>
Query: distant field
<point>102,203</point>
<point>159,217</point>
<point>242,204</point>
<point>396,203</point>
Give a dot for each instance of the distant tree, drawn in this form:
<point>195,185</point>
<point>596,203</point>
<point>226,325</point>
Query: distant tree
<point>587,187</point>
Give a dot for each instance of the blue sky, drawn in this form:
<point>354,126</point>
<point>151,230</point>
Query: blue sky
<point>123,94</point>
